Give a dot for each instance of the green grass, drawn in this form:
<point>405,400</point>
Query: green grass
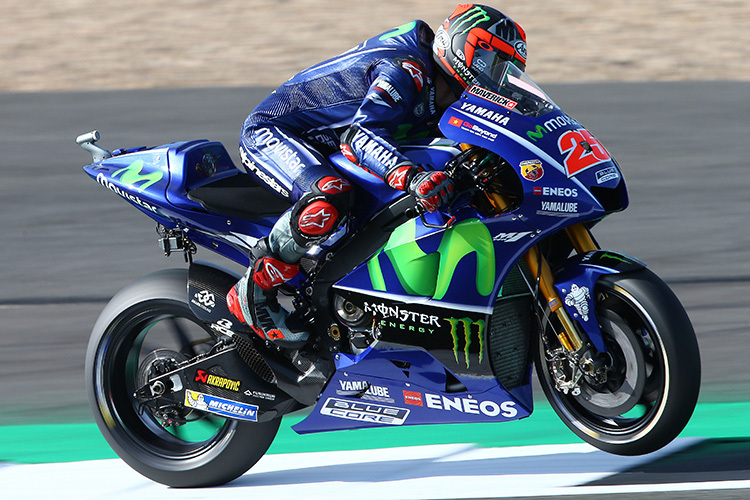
<point>74,442</point>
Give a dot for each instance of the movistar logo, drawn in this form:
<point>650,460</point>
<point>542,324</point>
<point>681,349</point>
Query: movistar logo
<point>556,123</point>
<point>476,14</point>
<point>537,134</point>
<point>465,326</point>
<point>431,274</point>
<point>131,175</point>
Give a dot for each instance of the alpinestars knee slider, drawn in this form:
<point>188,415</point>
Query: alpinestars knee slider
<point>321,211</point>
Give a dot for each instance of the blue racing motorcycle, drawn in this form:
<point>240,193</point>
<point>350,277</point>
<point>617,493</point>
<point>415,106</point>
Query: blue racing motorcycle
<point>417,318</point>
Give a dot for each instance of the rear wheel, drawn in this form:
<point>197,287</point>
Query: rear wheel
<point>146,330</point>
<point>653,374</point>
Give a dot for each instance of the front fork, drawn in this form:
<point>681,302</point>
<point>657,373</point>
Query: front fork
<point>540,271</point>
<point>582,242</point>
<point>577,356</point>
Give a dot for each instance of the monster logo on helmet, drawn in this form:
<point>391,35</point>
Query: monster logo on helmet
<point>471,44</point>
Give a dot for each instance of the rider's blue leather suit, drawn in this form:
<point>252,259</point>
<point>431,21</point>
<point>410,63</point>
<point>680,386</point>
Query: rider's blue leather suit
<point>372,96</point>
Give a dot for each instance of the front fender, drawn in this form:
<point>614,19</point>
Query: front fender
<point>575,283</point>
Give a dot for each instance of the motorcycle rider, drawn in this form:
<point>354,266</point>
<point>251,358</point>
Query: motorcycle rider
<point>364,102</point>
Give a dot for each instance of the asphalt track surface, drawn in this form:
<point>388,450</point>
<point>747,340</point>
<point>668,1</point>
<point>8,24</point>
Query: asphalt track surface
<point>68,244</point>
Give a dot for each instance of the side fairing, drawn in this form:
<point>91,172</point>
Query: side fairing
<point>407,387</point>
<point>451,268</point>
<point>436,288</point>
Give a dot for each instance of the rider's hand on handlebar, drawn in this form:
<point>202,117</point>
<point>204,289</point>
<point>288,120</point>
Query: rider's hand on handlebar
<point>432,189</point>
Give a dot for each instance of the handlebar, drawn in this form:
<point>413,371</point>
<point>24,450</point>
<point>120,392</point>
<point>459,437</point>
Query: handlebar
<point>471,170</point>
<point>468,169</point>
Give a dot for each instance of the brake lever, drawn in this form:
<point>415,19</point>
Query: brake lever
<point>447,225</point>
<point>421,211</point>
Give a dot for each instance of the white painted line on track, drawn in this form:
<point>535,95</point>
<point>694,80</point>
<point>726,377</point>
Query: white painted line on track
<point>420,472</point>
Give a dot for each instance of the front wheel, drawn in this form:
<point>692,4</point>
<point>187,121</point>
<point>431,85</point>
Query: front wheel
<point>148,329</point>
<point>653,369</point>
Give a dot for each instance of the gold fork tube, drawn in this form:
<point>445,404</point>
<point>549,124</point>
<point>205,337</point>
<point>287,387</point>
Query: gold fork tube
<point>540,270</point>
<point>581,238</point>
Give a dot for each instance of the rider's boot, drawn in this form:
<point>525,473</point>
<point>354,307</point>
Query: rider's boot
<point>253,299</point>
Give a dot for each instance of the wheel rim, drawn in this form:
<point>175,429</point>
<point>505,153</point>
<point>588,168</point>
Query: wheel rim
<point>626,376</point>
<point>626,409</point>
<point>134,344</point>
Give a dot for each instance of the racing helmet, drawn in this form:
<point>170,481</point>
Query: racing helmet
<point>474,42</point>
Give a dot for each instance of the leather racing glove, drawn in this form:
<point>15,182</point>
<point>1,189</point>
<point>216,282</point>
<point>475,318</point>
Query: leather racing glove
<point>432,189</point>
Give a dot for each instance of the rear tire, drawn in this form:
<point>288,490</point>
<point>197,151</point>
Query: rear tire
<point>654,380</point>
<point>148,321</point>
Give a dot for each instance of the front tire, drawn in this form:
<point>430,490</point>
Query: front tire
<point>150,323</point>
<point>653,379</point>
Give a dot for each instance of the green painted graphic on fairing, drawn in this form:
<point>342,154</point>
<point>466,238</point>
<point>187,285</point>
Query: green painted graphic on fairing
<point>431,274</point>
<point>131,175</point>
<point>404,28</point>
<point>416,270</point>
<point>467,237</point>
<point>537,134</point>
<point>376,273</point>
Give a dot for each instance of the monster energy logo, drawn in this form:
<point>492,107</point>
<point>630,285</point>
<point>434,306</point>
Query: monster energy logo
<point>477,14</point>
<point>131,175</point>
<point>606,255</point>
<point>466,325</point>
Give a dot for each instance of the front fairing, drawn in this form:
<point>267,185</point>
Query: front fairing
<point>436,287</point>
<point>562,185</point>
<point>565,171</point>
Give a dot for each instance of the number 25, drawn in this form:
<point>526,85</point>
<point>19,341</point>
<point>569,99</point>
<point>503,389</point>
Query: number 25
<point>581,150</point>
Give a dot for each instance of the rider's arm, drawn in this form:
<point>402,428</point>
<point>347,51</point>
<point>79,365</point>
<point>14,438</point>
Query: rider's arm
<point>394,99</point>
<point>397,88</point>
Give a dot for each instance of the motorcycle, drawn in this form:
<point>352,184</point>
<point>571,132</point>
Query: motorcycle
<point>416,318</point>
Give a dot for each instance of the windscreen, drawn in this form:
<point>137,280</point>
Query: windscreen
<point>524,96</point>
